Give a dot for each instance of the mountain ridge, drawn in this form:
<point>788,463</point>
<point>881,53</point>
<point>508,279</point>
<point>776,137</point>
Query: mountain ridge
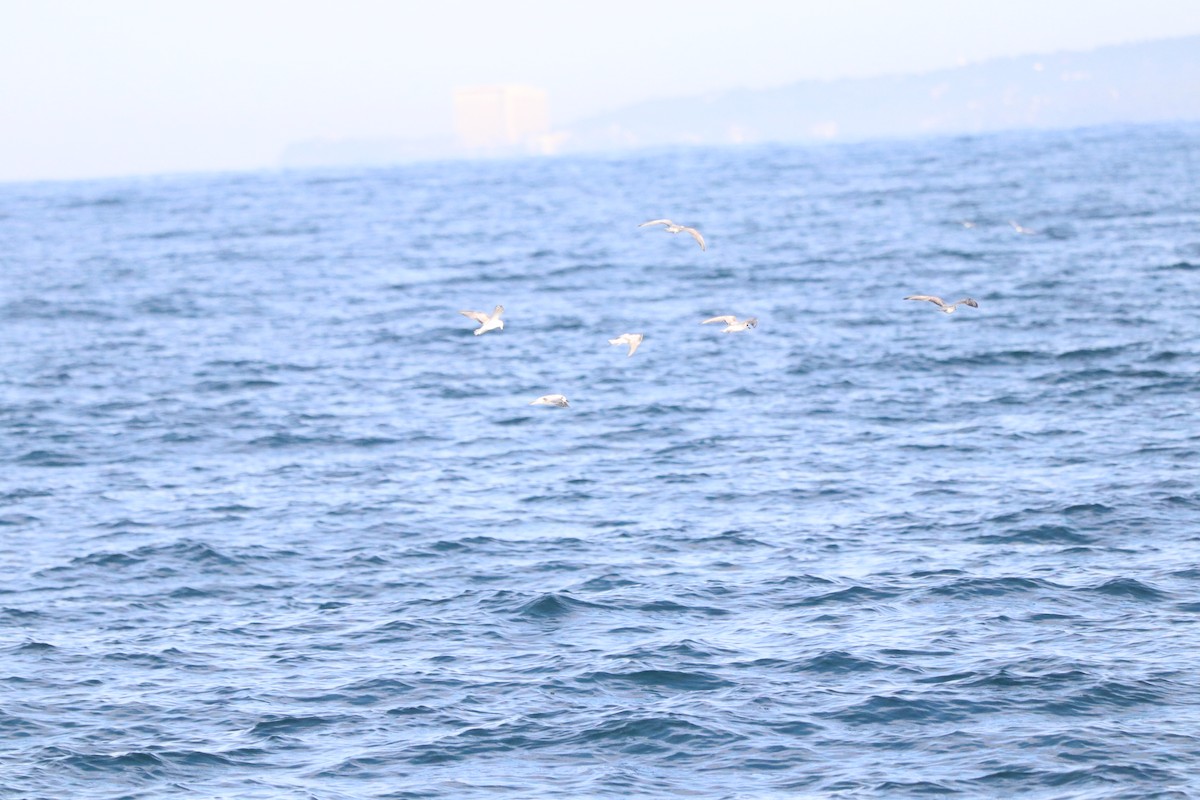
<point>1150,81</point>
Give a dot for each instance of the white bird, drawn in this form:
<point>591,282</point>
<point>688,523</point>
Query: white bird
<point>941,304</point>
<point>487,322</point>
<point>671,227</point>
<point>966,223</point>
<point>551,400</point>
<point>731,323</point>
<point>1021,228</point>
<point>631,339</point>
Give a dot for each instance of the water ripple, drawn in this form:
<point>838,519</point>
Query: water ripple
<point>278,524</point>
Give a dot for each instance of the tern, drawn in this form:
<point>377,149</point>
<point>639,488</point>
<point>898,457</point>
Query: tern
<point>731,323</point>
<point>1021,228</point>
<point>671,227</point>
<point>487,322</point>
<point>631,339</point>
<point>941,304</point>
<point>551,400</point>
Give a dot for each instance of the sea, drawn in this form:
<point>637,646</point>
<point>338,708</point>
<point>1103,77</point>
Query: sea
<point>275,524</point>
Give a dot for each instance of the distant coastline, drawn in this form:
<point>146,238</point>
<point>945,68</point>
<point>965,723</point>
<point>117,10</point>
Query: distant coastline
<point>1156,81</point>
<point>1145,82</point>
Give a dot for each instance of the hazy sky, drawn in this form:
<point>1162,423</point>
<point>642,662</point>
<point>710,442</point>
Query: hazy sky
<point>114,87</point>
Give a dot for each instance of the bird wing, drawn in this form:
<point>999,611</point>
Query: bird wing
<point>478,316</point>
<point>497,311</point>
<point>696,235</point>
<point>620,339</point>
<point>634,341</point>
<point>550,400</point>
<point>656,222</point>
<point>935,300</point>
<point>967,301</point>
<point>728,319</point>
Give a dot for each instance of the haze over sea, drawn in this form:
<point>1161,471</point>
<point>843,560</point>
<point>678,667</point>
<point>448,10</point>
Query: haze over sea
<point>276,524</point>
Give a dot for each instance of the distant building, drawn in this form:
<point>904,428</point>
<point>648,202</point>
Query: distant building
<point>497,120</point>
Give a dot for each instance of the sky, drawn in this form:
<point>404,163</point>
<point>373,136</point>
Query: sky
<point>95,88</point>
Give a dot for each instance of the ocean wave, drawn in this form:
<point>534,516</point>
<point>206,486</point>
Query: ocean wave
<point>553,605</point>
<point>1106,697</point>
<point>851,595</point>
<point>909,708</point>
<point>275,726</point>
<point>277,524</point>
<point>1038,534</point>
<point>49,458</point>
<point>1130,588</point>
<point>841,662</point>
<point>671,607</point>
<point>630,732</point>
<point>668,680</point>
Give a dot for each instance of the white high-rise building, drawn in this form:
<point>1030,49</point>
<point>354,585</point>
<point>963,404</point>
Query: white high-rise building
<point>501,119</point>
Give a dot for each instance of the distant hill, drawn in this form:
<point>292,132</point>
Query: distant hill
<point>1145,82</point>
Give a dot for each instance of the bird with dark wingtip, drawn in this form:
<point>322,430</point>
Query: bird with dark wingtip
<point>731,323</point>
<point>551,400</point>
<point>943,306</point>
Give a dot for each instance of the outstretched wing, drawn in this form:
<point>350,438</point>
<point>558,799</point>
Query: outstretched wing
<point>634,341</point>
<point>966,301</point>
<point>696,235</point>
<point>937,301</point>
<point>728,319</point>
<point>478,316</point>
<point>656,222</point>
<point>497,311</point>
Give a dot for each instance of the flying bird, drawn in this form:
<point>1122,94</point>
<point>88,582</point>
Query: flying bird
<point>487,322</point>
<point>731,323</point>
<point>941,304</point>
<point>1019,228</point>
<point>671,227</point>
<point>966,223</point>
<point>551,400</point>
<point>631,339</point>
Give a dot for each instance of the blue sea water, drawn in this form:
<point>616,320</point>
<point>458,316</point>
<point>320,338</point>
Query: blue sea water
<point>275,524</point>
